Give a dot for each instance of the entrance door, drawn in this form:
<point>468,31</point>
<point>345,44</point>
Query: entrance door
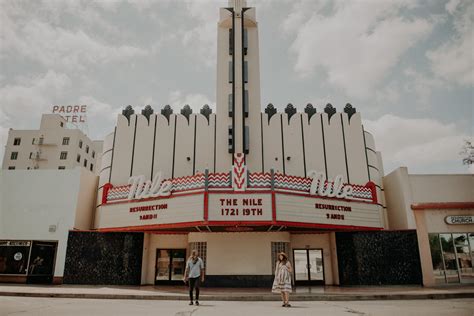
<point>170,266</point>
<point>42,260</point>
<point>308,266</point>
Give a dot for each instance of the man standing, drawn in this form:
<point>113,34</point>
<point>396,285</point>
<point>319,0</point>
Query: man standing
<point>194,274</point>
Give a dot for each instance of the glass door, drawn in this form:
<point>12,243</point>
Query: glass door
<point>170,266</point>
<point>42,262</point>
<point>308,266</point>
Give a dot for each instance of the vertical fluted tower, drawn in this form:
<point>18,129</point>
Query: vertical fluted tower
<point>238,87</point>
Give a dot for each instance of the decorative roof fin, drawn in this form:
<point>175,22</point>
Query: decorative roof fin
<point>127,112</point>
<point>310,110</point>
<point>290,110</point>
<point>206,111</point>
<point>166,111</point>
<point>147,112</point>
<point>330,110</point>
<point>349,110</point>
<point>270,110</point>
<point>186,111</point>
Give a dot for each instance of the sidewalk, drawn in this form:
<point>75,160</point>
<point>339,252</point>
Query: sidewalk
<point>320,293</point>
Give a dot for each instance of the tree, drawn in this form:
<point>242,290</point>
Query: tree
<point>467,153</point>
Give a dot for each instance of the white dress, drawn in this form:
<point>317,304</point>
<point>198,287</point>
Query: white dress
<point>282,282</point>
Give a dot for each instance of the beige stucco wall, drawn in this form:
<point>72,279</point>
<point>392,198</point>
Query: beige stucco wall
<point>86,198</point>
<point>161,241</point>
<point>402,190</point>
<point>236,253</point>
<point>32,201</point>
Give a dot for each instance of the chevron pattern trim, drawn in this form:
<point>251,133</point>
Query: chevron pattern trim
<point>188,183</point>
<point>288,182</point>
<point>260,180</point>
<point>118,193</point>
<point>255,180</point>
<point>219,180</point>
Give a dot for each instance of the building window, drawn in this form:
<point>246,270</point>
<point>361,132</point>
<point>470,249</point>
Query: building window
<point>87,149</point>
<point>11,168</point>
<point>31,155</point>
<point>278,247</point>
<point>63,155</point>
<point>231,42</point>
<point>201,248</point>
<point>92,167</point>
<point>78,159</point>
<point>14,155</point>
<point>65,140</point>
<point>33,142</point>
<point>61,124</point>
<point>80,144</point>
<point>85,162</point>
<point>246,72</point>
<point>246,41</point>
<point>93,154</point>
<point>17,141</point>
<point>231,72</point>
<point>452,257</point>
<point>61,167</point>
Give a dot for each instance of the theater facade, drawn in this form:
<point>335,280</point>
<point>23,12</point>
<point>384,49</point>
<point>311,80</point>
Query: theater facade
<point>240,185</point>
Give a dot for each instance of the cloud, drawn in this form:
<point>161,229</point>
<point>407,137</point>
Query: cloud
<point>453,60</point>
<point>26,34</point>
<point>452,5</point>
<point>201,36</point>
<point>422,86</point>
<point>419,144</point>
<point>357,43</point>
<point>177,99</point>
<point>23,103</point>
<point>101,116</point>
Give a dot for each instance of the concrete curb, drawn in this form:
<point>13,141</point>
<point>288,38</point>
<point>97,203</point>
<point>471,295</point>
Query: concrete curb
<point>314,297</point>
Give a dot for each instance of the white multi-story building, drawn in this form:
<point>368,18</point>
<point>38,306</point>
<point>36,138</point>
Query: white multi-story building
<point>52,146</point>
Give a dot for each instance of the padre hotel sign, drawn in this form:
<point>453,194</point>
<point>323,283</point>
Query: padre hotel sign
<point>164,204</point>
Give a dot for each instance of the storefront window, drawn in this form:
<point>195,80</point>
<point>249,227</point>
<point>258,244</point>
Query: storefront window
<point>449,256</point>
<point>14,257</point>
<point>463,254</point>
<point>437,258</point>
<point>452,257</point>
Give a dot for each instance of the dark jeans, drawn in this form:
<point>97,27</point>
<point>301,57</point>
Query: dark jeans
<point>194,284</point>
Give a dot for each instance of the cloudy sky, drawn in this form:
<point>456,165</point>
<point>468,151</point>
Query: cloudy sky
<point>406,65</point>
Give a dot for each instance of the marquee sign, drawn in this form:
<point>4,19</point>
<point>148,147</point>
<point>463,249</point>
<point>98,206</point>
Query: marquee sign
<point>240,207</point>
<point>182,209</point>
<point>239,197</point>
<point>292,208</point>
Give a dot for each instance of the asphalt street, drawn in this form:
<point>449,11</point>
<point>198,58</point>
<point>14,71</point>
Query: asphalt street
<point>60,306</point>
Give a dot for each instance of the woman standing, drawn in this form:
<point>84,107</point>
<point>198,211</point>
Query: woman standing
<point>282,282</point>
<point>194,274</point>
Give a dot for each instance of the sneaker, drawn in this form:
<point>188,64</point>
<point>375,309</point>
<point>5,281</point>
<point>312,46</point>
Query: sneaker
<point>191,303</point>
<point>288,305</point>
<point>197,303</point>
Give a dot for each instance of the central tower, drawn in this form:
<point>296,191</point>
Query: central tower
<point>238,87</point>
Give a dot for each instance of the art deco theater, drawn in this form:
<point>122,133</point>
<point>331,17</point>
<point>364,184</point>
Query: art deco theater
<point>240,185</point>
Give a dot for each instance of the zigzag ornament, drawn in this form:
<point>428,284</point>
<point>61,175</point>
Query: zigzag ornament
<point>239,173</point>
